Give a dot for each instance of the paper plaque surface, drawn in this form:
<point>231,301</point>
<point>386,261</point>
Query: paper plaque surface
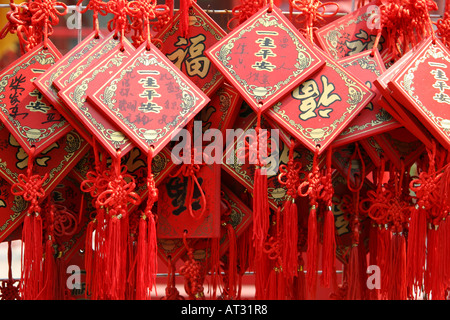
<point>23,109</point>
<point>264,58</point>
<point>160,99</point>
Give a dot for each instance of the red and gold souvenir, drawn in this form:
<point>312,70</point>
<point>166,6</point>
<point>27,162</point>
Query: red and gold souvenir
<point>422,85</point>
<point>56,160</point>
<point>373,119</point>
<point>150,118</point>
<point>318,110</point>
<point>353,33</point>
<point>187,52</point>
<point>265,58</point>
<point>24,110</point>
<point>44,82</point>
<point>74,96</point>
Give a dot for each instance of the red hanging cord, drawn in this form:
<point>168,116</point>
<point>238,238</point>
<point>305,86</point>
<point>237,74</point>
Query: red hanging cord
<point>329,237</point>
<point>97,7</point>
<point>314,188</point>
<point>172,292</point>
<point>355,287</point>
<point>30,188</point>
<point>45,14</point>
<point>193,273</point>
<point>289,176</point>
<point>185,5</point>
<point>312,13</point>
<point>190,170</point>
<point>244,11</point>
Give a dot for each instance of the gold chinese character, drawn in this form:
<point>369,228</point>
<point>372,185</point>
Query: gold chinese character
<point>196,63</point>
<point>149,94</point>
<point>266,42</point>
<point>263,65</point>
<point>364,42</point>
<point>442,98</point>
<point>439,74</point>
<point>311,98</point>
<point>150,107</point>
<point>148,83</point>
<point>441,85</point>
<point>38,105</point>
<point>264,53</point>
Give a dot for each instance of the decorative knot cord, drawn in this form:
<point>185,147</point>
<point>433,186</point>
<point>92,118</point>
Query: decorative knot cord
<point>312,12</point>
<point>193,274</point>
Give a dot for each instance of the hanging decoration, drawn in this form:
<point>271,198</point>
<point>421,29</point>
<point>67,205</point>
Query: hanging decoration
<point>332,133</point>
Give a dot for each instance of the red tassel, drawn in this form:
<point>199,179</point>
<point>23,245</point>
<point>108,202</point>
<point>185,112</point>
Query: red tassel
<point>99,288</point>
<point>113,260</point>
<point>262,267</point>
<point>354,277</point>
<point>60,285</point>
<point>272,286</point>
<point>397,289</point>
<point>232,262</point>
<point>312,252</point>
<point>49,269</point>
<point>416,250</point>
<point>141,258</point>
<point>433,286</point>
<point>300,284</point>
<point>89,257</point>
<point>373,240</point>
<point>290,239</point>
<point>26,281</point>
<point>445,256</point>
<point>329,249</point>
<point>260,211</point>
<point>152,253</point>
<point>38,253</point>
<point>215,266</point>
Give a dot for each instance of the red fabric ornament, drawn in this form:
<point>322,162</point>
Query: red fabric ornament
<point>329,236</point>
<point>30,188</point>
<point>314,188</point>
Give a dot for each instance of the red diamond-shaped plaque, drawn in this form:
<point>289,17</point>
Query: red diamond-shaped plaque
<point>12,210</point>
<point>318,110</point>
<point>105,131</point>
<point>373,119</point>
<point>161,99</point>
<point>353,33</point>
<point>424,87</point>
<point>188,53</point>
<point>265,58</point>
<point>397,110</point>
<point>23,109</point>
<point>44,82</point>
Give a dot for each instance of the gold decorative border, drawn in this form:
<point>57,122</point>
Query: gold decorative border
<point>405,83</point>
<point>43,57</point>
<point>76,95</point>
<point>105,96</point>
